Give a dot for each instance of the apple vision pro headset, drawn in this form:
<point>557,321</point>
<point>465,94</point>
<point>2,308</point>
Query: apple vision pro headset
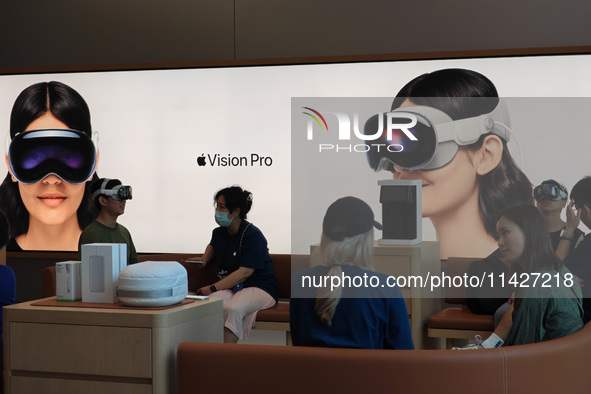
<point>68,154</point>
<point>436,136</point>
<point>119,192</point>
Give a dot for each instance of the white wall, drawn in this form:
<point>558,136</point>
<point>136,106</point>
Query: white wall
<point>154,124</point>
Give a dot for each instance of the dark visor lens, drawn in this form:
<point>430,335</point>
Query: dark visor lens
<point>123,193</point>
<point>69,154</point>
<point>547,192</point>
<point>396,147</point>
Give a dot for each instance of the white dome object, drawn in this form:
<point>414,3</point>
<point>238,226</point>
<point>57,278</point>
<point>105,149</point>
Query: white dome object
<point>152,284</point>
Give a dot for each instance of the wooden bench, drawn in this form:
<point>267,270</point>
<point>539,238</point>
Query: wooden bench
<point>458,322</point>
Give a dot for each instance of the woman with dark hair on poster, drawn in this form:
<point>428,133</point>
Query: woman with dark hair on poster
<point>51,159</point>
<point>468,176</point>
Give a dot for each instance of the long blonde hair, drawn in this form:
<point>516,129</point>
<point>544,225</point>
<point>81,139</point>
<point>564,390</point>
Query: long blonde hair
<point>356,250</point>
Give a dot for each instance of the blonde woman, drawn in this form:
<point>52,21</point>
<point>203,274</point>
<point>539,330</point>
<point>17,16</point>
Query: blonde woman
<point>341,301</point>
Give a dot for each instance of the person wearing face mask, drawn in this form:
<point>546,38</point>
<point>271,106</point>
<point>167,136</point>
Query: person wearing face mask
<point>247,281</point>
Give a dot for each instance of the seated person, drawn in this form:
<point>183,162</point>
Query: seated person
<point>486,300</point>
<point>547,301</point>
<point>579,260</point>
<point>110,197</point>
<point>7,285</point>
<point>340,314</point>
<point>7,297</point>
<point>551,199</point>
<point>247,280</point>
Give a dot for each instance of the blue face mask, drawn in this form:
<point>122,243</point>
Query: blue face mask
<point>222,219</point>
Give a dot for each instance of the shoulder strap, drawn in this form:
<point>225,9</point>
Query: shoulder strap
<point>241,237</point>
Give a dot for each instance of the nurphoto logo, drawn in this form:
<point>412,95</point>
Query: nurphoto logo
<point>389,124</point>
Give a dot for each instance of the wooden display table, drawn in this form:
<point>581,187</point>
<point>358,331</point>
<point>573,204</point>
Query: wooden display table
<point>60,350</point>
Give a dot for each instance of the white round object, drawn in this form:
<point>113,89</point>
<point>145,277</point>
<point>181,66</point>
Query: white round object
<point>152,284</point>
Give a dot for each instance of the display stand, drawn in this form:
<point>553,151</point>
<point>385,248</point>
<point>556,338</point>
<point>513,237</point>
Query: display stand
<point>58,350</point>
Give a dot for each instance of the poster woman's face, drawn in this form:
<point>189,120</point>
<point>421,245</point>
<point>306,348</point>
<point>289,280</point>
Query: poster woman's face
<point>51,201</point>
<point>447,188</point>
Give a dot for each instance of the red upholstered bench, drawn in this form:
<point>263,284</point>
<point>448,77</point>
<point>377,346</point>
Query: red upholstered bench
<point>458,322</point>
<point>550,367</point>
<point>278,318</point>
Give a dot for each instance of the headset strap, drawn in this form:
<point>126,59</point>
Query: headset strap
<point>102,189</point>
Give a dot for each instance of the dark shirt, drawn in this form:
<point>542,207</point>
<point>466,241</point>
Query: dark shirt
<point>247,248</point>
<point>579,263</point>
<point>7,295</point>
<point>556,236</point>
<point>96,232</point>
<point>13,246</point>
<point>487,299</point>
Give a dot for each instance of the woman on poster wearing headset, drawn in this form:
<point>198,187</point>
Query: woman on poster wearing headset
<point>460,155</point>
<point>51,158</point>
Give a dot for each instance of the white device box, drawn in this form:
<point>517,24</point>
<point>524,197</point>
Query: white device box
<point>68,280</point>
<point>101,264</point>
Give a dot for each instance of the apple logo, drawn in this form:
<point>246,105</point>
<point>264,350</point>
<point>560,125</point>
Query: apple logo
<point>201,160</point>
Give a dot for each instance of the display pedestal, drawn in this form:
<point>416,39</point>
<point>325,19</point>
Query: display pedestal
<point>60,350</point>
<point>414,261</point>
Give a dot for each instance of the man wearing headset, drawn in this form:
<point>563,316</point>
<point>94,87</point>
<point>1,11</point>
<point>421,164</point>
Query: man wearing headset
<point>551,198</point>
<point>110,197</point>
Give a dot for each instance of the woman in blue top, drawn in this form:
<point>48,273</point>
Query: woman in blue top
<point>364,309</point>
<point>247,281</point>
